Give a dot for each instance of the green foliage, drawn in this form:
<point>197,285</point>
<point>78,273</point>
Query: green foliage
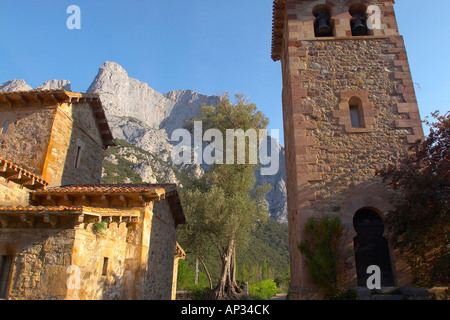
<point>186,275</point>
<point>268,242</point>
<point>224,209</point>
<point>186,281</point>
<point>199,292</point>
<point>349,294</point>
<point>321,249</point>
<point>420,222</point>
<point>266,271</point>
<point>99,228</point>
<point>263,290</point>
<point>122,171</point>
<point>234,192</point>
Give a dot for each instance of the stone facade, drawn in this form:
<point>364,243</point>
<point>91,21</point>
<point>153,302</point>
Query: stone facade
<point>89,243</point>
<point>12,194</point>
<point>58,135</point>
<point>82,240</point>
<point>330,160</point>
<point>26,137</point>
<point>16,183</point>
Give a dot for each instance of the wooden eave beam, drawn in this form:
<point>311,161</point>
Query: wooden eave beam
<point>51,219</point>
<point>35,99</point>
<point>48,98</point>
<point>27,218</point>
<point>5,100</point>
<point>16,100</point>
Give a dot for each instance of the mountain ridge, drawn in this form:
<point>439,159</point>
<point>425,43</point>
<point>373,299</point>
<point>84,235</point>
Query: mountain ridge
<point>145,118</point>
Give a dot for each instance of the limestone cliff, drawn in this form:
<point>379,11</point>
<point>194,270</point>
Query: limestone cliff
<point>142,120</point>
<point>123,96</point>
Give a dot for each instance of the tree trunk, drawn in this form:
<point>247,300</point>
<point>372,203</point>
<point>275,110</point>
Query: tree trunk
<point>204,267</point>
<point>207,274</point>
<point>196,271</point>
<point>227,289</point>
<point>233,266</point>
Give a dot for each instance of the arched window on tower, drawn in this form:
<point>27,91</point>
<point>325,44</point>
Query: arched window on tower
<point>358,23</point>
<point>356,112</point>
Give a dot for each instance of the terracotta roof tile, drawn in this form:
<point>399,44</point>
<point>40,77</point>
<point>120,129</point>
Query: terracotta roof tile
<point>64,210</point>
<point>41,208</point>
<point>8,167</point>
<point>110,188</point>
<point>31,91</point>
<point>278,16</point>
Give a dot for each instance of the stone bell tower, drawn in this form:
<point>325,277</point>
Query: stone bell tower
<point>349,108</point>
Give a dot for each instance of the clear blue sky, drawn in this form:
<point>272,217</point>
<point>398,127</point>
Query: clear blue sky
<point>209,46</point>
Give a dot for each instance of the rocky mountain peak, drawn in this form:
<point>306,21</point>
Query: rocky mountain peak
<point>123,96</point>
<point>55,84</point>
<point>15,85</point>
<point>21,85</point>
<point>107,73</point>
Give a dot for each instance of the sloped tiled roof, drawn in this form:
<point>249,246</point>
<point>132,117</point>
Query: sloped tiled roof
<point>278,16</point>
<point>55,209</point>
<point>53,97</point>
<point>19,175</point>
<point>67,209</point>
<point>110,188</point>
<point>148,191</point>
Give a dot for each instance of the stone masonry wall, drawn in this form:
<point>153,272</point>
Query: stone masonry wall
<point>80,263</point>
<point>41,259</point>
<point>158,282</point>
<point>86,133</point>
<point>26,139</point>
<point>57,149</point>
<point>91,248</point>
<point>12,194</point>
<point>74,127</point>
<point>364,67</point>
<point>332,164</point>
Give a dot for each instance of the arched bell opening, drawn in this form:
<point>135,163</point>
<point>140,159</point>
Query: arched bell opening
<point>323,24</point>
<point>371,247</point>
<point>358,23</point>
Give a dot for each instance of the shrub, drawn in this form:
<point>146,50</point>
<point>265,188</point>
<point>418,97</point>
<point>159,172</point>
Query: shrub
<point>263,290</point>
<point>100,228</point>
<point>326,258</point>
<point>198,292</point>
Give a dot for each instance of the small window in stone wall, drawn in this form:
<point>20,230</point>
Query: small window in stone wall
<point>79,152</point>
<point>323,24</point>
<point>105,266</point>
<point>354,115</point>
<point>5,126</point>
<point>78,157</point>
<point>5,267</point>
<point>356,112</point>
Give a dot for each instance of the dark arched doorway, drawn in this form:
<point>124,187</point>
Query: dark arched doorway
<point>371,248</point>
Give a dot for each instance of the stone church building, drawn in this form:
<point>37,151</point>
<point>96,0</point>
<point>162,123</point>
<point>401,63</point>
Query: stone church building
<point>63,235</point>
<point>349,108</point>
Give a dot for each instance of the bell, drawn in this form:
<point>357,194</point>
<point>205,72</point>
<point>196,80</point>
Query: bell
<point>322,22</point>
<point>323,27</point>
<point>359,28</point>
